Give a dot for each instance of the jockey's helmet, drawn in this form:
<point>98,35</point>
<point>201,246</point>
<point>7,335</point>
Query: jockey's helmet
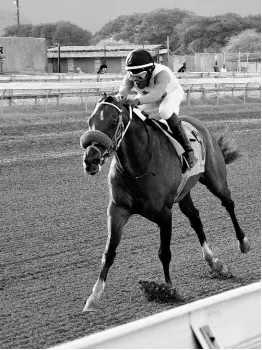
<point>140,64</point>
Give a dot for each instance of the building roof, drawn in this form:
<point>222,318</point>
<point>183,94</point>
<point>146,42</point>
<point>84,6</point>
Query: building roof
<point>102,51</point>
<point>105,47</point>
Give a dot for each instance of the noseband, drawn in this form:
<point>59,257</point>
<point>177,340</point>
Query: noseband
<point>118,135</point>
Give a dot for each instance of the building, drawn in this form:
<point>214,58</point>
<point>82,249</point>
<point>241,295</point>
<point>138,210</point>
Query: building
<point>90,58</point>
<point>23,55</point>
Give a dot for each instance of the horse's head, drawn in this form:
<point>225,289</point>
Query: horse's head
<point>106,129</point>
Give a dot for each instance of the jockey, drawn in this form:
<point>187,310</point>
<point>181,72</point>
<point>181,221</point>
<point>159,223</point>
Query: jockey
<point>156,87</point>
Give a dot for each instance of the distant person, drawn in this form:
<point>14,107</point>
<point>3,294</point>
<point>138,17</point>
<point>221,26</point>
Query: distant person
<point>79,70</point>
<point>216,68</point>
<point>102,69</point>
<point>2,58</point>
<point>223,69</point>
<point>182,69</point>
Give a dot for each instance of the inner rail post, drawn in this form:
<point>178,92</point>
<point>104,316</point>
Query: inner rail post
<point>2,101</point>
<point>47,95</point>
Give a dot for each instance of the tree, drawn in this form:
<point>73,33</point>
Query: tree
<point>160,24</point>
<point>110,29</point>
<point>47,31</point>
<point>148,28</point>
<point>25,30</point>
<point>247,41</point>
<point>65,33</point>
<point>211,34</point>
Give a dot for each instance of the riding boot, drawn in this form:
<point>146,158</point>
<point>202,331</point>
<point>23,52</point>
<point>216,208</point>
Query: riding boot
<point>174,122</point>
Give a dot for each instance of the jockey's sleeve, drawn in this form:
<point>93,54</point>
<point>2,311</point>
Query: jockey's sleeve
<point>125,87</point>
<point>161,81</point>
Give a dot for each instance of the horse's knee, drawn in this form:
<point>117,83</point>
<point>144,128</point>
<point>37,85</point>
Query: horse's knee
<point>228,203</point>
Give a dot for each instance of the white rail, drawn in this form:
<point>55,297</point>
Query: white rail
<point>54,89</point>
<point>228,320</point>
<point>62,77</point>
<point>59,86</point>
<point>90,84</point>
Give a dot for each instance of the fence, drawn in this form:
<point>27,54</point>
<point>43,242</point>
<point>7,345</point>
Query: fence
<point>32,90</point>
<point>228,320</point>
<point>56,77</point>
<point>204,62</point>
<point>59,77</point>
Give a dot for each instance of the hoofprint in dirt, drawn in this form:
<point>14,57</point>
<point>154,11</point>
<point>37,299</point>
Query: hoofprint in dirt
<point>53,232</point>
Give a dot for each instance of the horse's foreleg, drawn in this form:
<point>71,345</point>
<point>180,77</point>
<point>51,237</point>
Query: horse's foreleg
<point>164,252</point>
<point>187,207</point>
<point>116,219</point>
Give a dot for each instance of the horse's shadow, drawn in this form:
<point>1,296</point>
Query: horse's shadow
<point>164,294</point>
<point>161,293</point>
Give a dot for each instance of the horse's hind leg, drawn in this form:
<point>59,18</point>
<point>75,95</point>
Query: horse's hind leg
<point>220,189</point>
<point>187,207</point>
<point>164,253</point>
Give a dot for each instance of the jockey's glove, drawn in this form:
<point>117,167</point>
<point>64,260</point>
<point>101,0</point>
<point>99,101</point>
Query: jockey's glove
<point>133,102</point>
<point>119,97</point>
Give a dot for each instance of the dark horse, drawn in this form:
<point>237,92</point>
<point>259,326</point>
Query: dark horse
<point>144,177</point>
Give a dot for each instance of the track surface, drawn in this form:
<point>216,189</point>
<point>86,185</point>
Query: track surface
<point>53,232</point>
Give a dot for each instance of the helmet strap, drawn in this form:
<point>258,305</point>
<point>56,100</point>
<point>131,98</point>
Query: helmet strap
<point>150,71</point>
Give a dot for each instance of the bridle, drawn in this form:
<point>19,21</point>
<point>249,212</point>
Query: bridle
<point>118,136</point>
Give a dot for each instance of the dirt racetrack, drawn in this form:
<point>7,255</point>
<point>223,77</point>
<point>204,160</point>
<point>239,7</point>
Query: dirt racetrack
<point>53,230</point>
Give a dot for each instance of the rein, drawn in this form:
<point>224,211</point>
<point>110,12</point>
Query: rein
<point>119,134</point>
<point>149,151</point>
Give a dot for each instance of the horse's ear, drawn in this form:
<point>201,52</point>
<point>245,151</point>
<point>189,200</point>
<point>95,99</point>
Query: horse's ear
<point>102,97</point>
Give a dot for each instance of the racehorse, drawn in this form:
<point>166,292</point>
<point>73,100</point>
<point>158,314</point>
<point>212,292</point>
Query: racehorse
<point>144,176</point>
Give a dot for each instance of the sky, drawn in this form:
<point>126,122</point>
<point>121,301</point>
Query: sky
<point>93,14</point>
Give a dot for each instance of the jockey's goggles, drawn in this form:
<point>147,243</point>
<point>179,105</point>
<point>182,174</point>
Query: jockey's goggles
<point>138,76</point>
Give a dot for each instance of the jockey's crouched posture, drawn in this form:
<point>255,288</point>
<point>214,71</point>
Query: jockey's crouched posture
<point>156,86</point>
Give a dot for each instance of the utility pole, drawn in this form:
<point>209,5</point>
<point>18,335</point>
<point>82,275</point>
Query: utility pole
<point>168,53</point>
<point>16,2</point>
<point>58,56</point>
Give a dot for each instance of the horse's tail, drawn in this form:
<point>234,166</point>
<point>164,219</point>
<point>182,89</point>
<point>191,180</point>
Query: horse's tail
<point>228,148</point>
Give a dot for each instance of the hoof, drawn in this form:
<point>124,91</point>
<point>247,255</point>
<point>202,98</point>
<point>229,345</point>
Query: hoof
<point>220,270</point>
<point>217,265</point>
<point>90,306</point>
<point>244,246</point>
<point>169,284</point>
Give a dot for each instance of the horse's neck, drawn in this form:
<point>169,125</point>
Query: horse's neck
<point>134,151</point>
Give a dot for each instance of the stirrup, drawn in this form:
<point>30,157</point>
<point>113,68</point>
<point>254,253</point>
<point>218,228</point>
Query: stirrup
<point>192,162</point>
